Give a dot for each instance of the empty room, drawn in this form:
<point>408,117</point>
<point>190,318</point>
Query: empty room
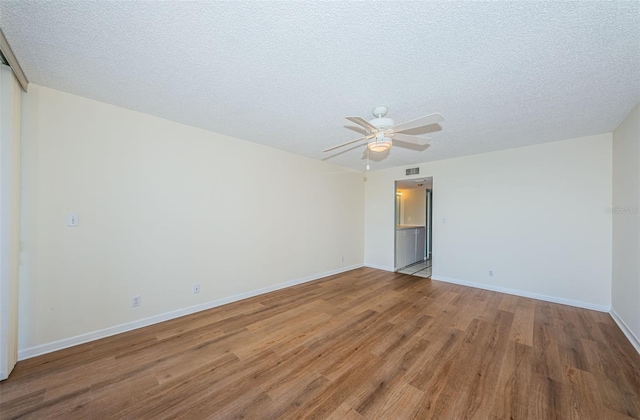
<point>311,209</point>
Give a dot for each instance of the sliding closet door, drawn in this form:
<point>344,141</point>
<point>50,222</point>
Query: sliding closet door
<point>10,96</point>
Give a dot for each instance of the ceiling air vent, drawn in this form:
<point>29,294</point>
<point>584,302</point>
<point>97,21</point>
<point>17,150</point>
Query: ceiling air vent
<point>413,171</point>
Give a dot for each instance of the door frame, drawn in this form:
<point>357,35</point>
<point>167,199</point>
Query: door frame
<point>428,233</point>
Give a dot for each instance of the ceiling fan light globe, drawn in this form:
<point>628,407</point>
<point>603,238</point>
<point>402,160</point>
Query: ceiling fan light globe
<point>379,145</point>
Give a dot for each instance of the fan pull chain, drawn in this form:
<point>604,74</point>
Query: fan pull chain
<point>367,159</point>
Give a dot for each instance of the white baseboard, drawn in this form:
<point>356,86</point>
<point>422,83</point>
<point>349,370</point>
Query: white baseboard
<point>95,335</point>
<point>380,267</point>
<point>553,299</point>
<point>635,342</point>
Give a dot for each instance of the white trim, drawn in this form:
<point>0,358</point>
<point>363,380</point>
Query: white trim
<point>95,335</point>
<point>635,342</point>
<point>553,299</point>
<point>380,267</point>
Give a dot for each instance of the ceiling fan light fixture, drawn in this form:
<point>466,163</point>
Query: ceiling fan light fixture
<point>379,145</point>
<point>380,130</point>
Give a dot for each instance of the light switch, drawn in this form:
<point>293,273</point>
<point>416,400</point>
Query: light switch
<point>72,220</point>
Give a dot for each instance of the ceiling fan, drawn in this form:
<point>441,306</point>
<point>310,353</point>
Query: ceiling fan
<point>381,131</point>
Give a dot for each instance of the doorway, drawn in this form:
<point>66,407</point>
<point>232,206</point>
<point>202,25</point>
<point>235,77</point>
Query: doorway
<point>413,226</point>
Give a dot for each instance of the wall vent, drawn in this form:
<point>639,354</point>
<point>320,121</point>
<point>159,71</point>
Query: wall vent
<point>413,171</point>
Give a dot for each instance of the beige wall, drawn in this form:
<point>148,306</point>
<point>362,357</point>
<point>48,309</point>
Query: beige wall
<point>163,206</point>
<point>10,96</point>
<point>534,215</point>
<point>414,207</point>
<point>626,225</point>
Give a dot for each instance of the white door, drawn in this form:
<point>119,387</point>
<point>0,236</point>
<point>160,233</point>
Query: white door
<point>10,96</point>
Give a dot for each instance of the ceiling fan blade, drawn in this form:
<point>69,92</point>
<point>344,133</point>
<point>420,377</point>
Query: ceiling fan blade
<point>349,142</point>
<point>363,123</point>
<point>406,138</point>
<point>418,122</point>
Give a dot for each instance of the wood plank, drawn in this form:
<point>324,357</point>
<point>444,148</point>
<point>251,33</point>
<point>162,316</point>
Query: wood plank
<point>545,344</point>
<point>344,412</point>
<point>401,404</point>
<point>522,327</point>
<point>511,398</point>
<point>615,392</point>
<point>580,395</point>
<point>469,390</point>
<point>545,401</point>
<point>322,405</point>
<point>388,383</point>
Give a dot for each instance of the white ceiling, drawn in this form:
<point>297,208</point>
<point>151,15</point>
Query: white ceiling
<point>285,74</point>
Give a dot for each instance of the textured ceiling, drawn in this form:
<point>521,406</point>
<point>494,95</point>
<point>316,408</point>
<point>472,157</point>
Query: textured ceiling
<point>285,74</point>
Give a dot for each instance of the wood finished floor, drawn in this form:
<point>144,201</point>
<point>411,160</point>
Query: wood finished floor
<point>362,344</point>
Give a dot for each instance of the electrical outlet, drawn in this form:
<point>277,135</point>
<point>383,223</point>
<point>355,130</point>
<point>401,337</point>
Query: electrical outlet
<point>342,259</point>
<point>73,220</point>
<point>196,288</point>
<point>136,301</point>
<point>490,273</point>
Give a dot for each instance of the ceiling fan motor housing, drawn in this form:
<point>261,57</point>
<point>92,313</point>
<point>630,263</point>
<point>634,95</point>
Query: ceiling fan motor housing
<point>382,123</point>
<point>380,111</point>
